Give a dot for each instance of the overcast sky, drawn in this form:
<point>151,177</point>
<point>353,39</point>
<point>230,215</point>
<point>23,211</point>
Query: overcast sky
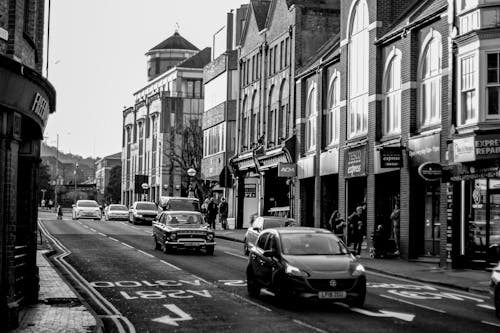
<point>97,61</point>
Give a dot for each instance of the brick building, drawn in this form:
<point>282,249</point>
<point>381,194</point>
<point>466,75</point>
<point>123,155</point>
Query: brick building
<point>26,100</point>
<point>162,131</point>
<point>277,38</point>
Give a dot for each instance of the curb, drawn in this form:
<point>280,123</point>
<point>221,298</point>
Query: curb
<point>229,238</point>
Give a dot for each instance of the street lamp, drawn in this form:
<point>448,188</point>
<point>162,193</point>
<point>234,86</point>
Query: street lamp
<point>191,173</point>
<point>76,167</point>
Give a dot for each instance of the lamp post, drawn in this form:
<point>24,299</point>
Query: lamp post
<point>76,167</point>
<point>191,173</point>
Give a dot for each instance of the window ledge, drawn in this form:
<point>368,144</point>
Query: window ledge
<point>429,129</point>
<point>330,146</point>
<point>390,137</point>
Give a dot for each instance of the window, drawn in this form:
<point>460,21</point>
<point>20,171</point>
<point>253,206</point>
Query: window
<point>274,58</point>
<point>254,125</point>
<point>261,242</point>
<point>392,98</point>
<point>358,71</point>
<point>270,71</point>
<point>271,118</point>
<point>141,145</point>
<point>244,131</point>
<point>286,51</point>
<point>493,85</point>
<point>430,88</point>
<point>311,120</point>
<point>214,139</point>
<point>333,111</point>
<point>283,112</point>
<point>282,53</point>
<point>468,95</point>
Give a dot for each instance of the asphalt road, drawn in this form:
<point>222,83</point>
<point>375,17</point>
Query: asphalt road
<point>192,291</point>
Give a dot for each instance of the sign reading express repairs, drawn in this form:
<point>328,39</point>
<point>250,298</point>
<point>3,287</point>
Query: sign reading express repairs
<point>355,162</point>
<point>487,146</point>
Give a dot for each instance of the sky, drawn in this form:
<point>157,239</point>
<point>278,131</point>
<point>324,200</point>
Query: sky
<point>97,61</point>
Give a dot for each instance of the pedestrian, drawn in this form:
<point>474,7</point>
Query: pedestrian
<point>43,204</point>
<point>223,212</point>
<point>51,204</point>
<point>212,212</point>
<point>337,225</point>
<point>358,229</point>
<point>395,226</point>
<point>59,212</point>
<point>204,207</point>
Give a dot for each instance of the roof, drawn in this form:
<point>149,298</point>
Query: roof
<point>260,9</point>
<point>177,42</point>
<point>326,51</point>
<point>296,230</point>
<point>199,60</point>
<point>116,156</point>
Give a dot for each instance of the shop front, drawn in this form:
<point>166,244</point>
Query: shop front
<point>329,172</point>
<point>305,176</point>
<point>355,172</point>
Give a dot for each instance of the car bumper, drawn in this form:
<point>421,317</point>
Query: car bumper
<point>117,217</point>
<point>88,215</point>
<point>190,243</point>
<point>145,219</point>
<point>346,289</point>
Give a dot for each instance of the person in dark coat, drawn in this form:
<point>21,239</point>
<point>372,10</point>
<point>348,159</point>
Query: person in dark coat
<point>358,229</point>
<point>212,211</point>
<point>337,225</point>
<point>223,212</point>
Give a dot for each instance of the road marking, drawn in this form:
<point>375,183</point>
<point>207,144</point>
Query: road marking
<point>100,233</point>
<point>169,264</point>
<point>146,254</point>
<point>113,239</point>
<point>309,326</point>
<point>181,316</point>
<point>414,304</point>
<point>252,302</point>
<point>202,279</point>
<point>236,255</point>
<point>384,313</point>
<point>490,323</point>
<point>489,307</point>
<point>93,230</point>
<point>127,245</point>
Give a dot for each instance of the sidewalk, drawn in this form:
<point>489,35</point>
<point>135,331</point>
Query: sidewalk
<point>462,279</point>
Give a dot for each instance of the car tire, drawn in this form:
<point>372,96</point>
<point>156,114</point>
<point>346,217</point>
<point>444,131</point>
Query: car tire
<point>253,287</point>
<point>166,249</point>
<point>210,250</point>
<point>133,220</point>
<point>157,246</point>
<point>246,251</point>
<point>357,302</point>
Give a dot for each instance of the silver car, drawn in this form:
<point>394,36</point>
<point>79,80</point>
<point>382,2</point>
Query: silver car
<point>116,212</point>
<point>262,223</point>
<point>86,209</point>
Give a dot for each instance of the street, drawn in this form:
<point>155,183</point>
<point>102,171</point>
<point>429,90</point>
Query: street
<point>134,288</point>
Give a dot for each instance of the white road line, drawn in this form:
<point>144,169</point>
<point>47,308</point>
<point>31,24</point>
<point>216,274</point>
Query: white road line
<point>237,255</point>
<point>113,239</point>
<point>203,280</point>
<point>309,326</point>
<point>489,307</point>
<point>93,230</point>
<point>146,254</point>
<point>490,323</point>
<point>100,233</point>
<point>426,284</point>
<point>414,304</point>
<point>252,302</point>
<point>169,264</point>
<point>127,245</point>
<point>85,226</point>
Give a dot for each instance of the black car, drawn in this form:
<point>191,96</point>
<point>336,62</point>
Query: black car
<point>143,212</point>
<point>305,262</point>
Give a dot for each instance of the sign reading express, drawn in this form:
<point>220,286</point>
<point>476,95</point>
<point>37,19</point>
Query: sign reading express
<point>487,146</point>
<point>391,157</point>
<point>355,162</point>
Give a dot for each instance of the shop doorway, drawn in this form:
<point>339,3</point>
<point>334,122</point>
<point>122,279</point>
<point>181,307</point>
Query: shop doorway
<point>432,225</point>
<point>387,188</point>
<point>307,201</point>
<point>356,194</point>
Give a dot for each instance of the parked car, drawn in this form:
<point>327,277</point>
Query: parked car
<point>179,203</point>
<point>495,288</point>
<point>116,212</point>
<point>181,230</point>
<point>261,223</point>
<point>142,212</point>
<point>86,209</point>
<point>305,262</point>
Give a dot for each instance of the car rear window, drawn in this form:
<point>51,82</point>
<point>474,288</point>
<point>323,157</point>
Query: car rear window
<point>277,223</point>
<point>312,244</point>
<point>184,219</point>
<point>117,208</point>
<point>146,206</point>
<point>87,204</point>
<point>176,204</point>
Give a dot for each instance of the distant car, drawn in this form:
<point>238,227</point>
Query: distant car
<point>116,212</point>
<point>86,209</point>
<point>179,203</point>
<point>495,288</point>
<point>142,212</point>
<point>181,230</point>
<point>307,263</point>
<point>261,223</point>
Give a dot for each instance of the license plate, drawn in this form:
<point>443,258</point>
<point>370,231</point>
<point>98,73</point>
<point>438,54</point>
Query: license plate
<point>332,294</point>
<point>192,244</point>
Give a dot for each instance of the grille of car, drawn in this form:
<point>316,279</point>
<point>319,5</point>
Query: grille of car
<point>191,232</point>
<point>324,284</point>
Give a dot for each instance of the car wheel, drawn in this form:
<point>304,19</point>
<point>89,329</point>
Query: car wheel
<point>210,250</point>
<point>246,251</point>
<point>253,286</point>
<point>497,300</point>
<point>133,220</point>
<point>165,248</point>
<point>157,246</point>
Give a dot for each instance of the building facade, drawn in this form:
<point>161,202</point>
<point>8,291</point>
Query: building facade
<point>278,37</point>
<point>102,172</point>
<point>162,132</point>
<point>26,100</point>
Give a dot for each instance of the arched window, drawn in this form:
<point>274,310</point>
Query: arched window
<point>358,70</point>
<point>430,84</point>
<point>333,111</point>
<point>392,95</point>
<point>311,114</point>
<point>244,124</point>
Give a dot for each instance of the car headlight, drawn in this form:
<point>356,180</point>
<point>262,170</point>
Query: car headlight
<point>138,215</point>
<point>172,236</point>
<point>294,271</point>
<point>358,270</point>
<point>210,237</point>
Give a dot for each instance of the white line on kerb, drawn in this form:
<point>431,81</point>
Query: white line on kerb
<point>113,239</point>
<point>414,304</point>
<point>489,307</point>
<point>309,326</point>
<point>127,245</point>
<point>236,255</point>
<point>490,323</point>
<point>169,264</point>
<point>146,254</point>
<point>252,302</point>
<point>91,229</point>
<point>100,233</point>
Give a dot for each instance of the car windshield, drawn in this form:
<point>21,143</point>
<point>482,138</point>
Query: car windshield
<point>117,207</point>
<point>87,204</point>
<point>184,219</point>
<point>176,204</point>
<point>312,244</point>
<point>276,223</point>
<point>146,206</point>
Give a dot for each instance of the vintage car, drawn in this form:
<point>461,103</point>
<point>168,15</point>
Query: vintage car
<point>182,230</point>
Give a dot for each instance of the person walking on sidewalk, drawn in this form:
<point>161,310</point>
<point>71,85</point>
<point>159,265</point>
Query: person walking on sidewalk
<point>395,226</point>
<point>59,212</point>
<point>337,225</point>
<point>358,229</point>
<point>212,212</point>
<point>223,212</point>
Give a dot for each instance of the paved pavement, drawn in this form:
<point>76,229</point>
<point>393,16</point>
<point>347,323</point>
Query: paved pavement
<point>463,279</point>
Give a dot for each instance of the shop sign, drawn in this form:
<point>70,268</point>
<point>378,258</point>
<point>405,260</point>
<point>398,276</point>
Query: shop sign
<point>391,157</point>
<point>468,172</point>
<point>487,146</point>
<point>355,162</point>
<point>430,171</point>
<point>463,149</point>
<point>424,149</point>
<point>287,169</point>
